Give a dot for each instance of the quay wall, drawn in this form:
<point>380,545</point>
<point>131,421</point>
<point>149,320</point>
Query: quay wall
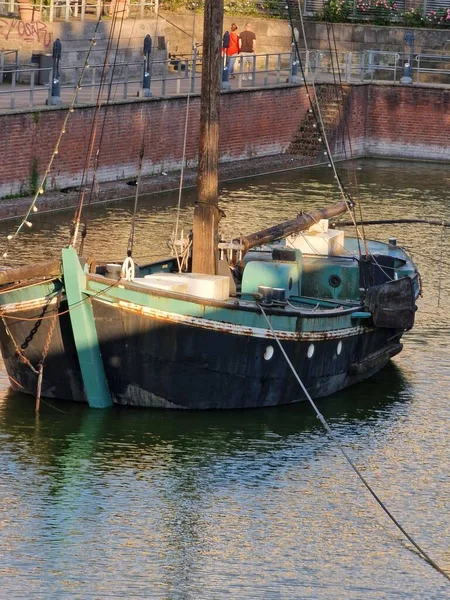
<point>253,124</point>
<point>410,122</point>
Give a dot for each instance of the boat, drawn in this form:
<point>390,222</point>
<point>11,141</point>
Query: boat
<point>213,326</point>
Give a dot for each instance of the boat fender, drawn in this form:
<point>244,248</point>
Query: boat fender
<point>128,269</point>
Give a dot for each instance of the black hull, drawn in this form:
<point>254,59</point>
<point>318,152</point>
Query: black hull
<point>61,376</point>
<point>159,359</point>
<point>156,364</point>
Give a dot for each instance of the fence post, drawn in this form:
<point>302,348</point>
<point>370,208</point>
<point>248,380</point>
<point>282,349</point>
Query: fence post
<point>349,67</point>
<point>408,53</point>
<point>146,92</point>
<point>293,77</point>
<point>55,98</point>
<point>407,72</point>
<point>194,68</point>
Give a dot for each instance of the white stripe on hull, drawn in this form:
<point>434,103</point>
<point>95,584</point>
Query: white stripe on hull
<point>234,329</point>
<point>14,307</point>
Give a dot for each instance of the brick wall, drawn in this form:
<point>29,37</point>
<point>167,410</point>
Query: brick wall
<point>408,122</point>
<point>383,120</point>
<point>253,123</point>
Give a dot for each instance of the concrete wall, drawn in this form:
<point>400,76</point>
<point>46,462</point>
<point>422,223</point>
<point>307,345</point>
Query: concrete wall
<point>384,120</point>
<point>355,37</point>
<point>179,30</point>
<point>272,35</point>
<point>75,36</point>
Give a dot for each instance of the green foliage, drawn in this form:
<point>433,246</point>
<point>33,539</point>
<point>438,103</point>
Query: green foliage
<point>337,11</point>
<point>238,8</point>
<point>34,176</point>
<point>437,18</point>
<point>378,12</point>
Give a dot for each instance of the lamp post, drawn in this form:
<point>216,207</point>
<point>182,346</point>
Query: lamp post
<point>146,92</point>
<point>408,54</point>
<point>55,98</point>
<point>293,77</point>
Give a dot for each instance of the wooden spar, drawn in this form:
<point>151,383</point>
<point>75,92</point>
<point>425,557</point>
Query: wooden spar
<point>303,221</point>
<point>437,222</point>
<point>206,212</point>
<point>50,268</point>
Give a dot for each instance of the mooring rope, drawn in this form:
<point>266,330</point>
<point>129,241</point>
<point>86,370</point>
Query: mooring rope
<point>322,419</point>
<point>317,114</point>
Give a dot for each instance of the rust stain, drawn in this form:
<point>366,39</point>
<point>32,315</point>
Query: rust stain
<point>28,304</point>
<point>233,329</point>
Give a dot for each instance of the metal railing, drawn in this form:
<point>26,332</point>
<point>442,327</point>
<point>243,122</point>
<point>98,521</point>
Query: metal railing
<point>66,10</point>
<point>9,61</point>
<point>29,87</point>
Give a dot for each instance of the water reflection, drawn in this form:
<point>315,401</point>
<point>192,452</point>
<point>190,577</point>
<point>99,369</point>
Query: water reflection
<point>250,504</point>
<point>72,430</point>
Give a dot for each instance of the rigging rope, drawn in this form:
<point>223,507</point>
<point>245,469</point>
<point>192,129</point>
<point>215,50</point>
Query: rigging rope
<point>324,422</point>
<point>77,217</point>
<point>346,136</point>
<point>315,110</point>
<point>94,190</point>
<point>41,188</point>
<point>183,158</point>
<point>131,238</point>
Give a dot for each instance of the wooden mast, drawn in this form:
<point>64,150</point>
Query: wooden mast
<point>206,212</point>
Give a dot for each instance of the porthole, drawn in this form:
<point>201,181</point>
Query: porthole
<point>310,352</point>
<point>339,348</point>
<point>268,353</point>
<point>335,281</point>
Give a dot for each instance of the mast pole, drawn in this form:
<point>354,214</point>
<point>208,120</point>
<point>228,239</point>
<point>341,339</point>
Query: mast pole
<point>206,212</point>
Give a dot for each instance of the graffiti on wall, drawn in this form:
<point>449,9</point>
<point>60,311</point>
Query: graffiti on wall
<point>26,31</point>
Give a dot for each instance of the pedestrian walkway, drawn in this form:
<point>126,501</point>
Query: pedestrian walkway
<point>16,96</point>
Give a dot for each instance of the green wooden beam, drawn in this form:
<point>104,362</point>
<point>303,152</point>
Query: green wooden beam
<point>84,332</point>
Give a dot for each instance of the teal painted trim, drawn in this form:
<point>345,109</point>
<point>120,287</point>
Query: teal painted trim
<point>361,315</point>
<point>30,292</point>
<point>186,308</point>
<point>84,332</point>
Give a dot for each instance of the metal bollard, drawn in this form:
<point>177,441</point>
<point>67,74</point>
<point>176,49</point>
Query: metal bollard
<point>293,77</point>
<point>145,92</point>
<point>408,57</point>
<point>55,98</point>
<point>225,79</point>
<point>407,74</point>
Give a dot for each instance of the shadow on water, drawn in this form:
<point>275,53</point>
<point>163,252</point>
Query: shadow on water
<point>121,431</point>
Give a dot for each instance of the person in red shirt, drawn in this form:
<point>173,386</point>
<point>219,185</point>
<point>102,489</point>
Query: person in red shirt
<point>233,49</point>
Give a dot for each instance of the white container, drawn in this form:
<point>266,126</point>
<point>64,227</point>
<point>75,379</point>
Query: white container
<point>161,283</point>
<point>212,287</point>
<point>329,243</point>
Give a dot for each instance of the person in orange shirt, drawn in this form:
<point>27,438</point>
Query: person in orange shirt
<point>233,49</point>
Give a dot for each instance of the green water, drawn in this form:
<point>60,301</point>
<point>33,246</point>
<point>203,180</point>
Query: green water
<point>255,504</point>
